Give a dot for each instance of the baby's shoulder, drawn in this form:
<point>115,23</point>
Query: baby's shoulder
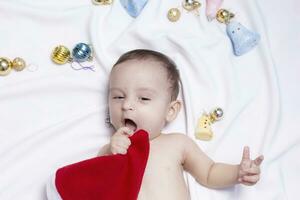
<point>176,144</point>
<point>175,135</point>
<point>177,138</point>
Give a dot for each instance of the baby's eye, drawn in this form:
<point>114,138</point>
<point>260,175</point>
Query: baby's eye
<point>118,97</point>
<point>145,99</point>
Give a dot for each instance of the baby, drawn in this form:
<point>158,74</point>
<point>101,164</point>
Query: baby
<point>143,90</point>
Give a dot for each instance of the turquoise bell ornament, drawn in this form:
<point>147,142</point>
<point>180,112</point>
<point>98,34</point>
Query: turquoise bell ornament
<point>242,39</point>
<point>134,7</point>
<point>82,52</point>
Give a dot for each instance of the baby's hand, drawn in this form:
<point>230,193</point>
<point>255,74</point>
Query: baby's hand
<point>120,142</point>
<point>249,171</point>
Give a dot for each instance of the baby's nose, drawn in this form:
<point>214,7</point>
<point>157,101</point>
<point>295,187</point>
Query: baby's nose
<point>128,105</point>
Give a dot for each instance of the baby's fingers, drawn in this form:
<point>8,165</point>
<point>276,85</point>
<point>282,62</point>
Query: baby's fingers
<point>122,151</point>
<point>123,140</point>
<point>120,140</point>
<point>252,171</point>
<point>125,130</point>
<point>247,183</point>
<point>121,146</point>
<point>258,160</point>
<point>250,179</point>
<point>116,149</point>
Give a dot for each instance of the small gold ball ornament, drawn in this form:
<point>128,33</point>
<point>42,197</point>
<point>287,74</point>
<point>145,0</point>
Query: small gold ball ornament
<point>5,66</point>
<point>224,16</point>
<point>60,55</point>
<point>18,64</point>
<point>102,2</point>
<point>173,14</point>
<point>191,5</point>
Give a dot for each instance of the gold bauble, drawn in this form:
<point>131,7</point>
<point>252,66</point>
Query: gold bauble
<point>189,6</point>
<point>173,14</point>
<point>18,64</point>
<point>102,2</point>
<point>60,55</point>
<point>5,66</point>
<point>224,16</point>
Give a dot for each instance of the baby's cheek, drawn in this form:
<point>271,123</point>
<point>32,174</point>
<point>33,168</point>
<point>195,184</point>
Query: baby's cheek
<point>115,120</point>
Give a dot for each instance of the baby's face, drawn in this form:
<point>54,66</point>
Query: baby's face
<point>139,96</point>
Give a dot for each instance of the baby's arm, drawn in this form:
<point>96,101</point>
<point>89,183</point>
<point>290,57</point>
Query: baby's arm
<point>219,175</point>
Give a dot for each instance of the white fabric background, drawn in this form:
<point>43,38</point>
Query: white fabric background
<point>56,116</point>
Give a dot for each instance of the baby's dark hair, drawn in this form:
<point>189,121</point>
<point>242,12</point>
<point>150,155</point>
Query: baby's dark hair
<point>167,63</point>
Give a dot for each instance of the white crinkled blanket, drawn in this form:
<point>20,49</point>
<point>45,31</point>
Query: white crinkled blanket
<point>56,116</point>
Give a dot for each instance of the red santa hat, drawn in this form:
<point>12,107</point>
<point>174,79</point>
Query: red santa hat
<point>113,177</point>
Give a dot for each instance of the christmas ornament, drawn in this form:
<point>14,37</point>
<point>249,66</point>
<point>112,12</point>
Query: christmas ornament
<point>134,7</point>
<point>18,64</point>
<point>81,53</point>
<point>242,39</point>
<point>61,55</point>
<point>174,14</point>
<point>102,2</point>
<point>203,130</point>
<point>212,6</point>
<point>188,5</point>
<point>191,5</point>
<point>6,65</point>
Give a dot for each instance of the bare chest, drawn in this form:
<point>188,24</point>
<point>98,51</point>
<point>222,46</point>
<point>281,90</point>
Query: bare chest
<point>163,177</point>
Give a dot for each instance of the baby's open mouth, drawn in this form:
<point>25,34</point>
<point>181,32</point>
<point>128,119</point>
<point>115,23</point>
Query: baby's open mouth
<point>130,124</point>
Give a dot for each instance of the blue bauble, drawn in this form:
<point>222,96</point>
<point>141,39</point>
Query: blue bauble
<point>81,52</point>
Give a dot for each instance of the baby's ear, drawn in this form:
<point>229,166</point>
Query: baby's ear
<point>173,111</point>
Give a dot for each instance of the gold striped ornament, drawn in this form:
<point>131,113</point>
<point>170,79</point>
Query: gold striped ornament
<point>61,55</point>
